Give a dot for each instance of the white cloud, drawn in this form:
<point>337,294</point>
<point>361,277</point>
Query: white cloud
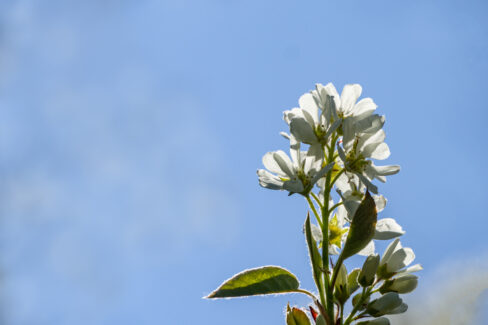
<point>452,295</point>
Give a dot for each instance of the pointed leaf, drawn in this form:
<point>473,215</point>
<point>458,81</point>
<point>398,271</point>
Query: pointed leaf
<point>321,320</point>
<point>362,227</point>
<point>295,316</point>
<point>259,281</point>
<point>313,251</point>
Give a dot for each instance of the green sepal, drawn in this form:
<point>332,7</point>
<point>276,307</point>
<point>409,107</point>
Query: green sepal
<point>341,292</point>
<point>296,316</point>
<point>352,281</point>
<point>355,300</point>
<point>259,281</point>
<point>362,227</point>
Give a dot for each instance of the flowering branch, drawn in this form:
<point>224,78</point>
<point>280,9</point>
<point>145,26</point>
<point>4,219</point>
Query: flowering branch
<point>341,137</point>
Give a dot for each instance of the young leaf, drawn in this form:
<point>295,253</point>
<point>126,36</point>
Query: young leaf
<point>362,227</point>
<point>295,316</point>
<point>320,320</point>
<point>314,252</point>
<point>259,281</point>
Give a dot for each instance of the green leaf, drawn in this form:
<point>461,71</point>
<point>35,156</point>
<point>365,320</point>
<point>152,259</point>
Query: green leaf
<point>362,227</point>
<point>313,251</point>
<point>341,292</point>
<point>320,320</point>
<point>295,316</point>
<point>352,281</point>
<point>259,281</point>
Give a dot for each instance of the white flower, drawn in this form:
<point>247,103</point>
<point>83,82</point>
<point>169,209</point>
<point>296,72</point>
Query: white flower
<point>357,152</point>
<point>395,258</point>
<point>296,175</point>
<point>343,107</point>
<point>310,126</point>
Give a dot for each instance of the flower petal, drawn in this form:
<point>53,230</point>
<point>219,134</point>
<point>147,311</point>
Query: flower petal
<point>386,170</point>
<point>284,163</point>
<point>365,106</point>
<point>392,247</point>
<point>367,250</point>
<point>381,152</point>
<point>302,130</point>
<point>373,188</point>
<point>349,96</point>
<point>387,228</point>
<point>322,172</point>
<point>411,269</point>
<point>399,259</point>
<point>369,124</point>
<point>270,163</point>
<point>307,103</point>
<point>380,202</point>
<point>270,181</point>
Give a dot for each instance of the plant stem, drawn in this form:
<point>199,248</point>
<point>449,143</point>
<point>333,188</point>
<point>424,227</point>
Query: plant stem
<point>308,293</point>
<point>316,199</point>
<point>335,206</point>
<point>364,295</point>
<point>335,272</point>
<point>312,206</point>
<point>325,231</point>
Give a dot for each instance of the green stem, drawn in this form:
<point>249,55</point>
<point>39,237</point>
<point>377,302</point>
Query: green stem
<point>336,177</point>
<point>312,206</point>
<point>335,272</point>
<point>364,295</point>
<point>325,231</point>
<point>335,206</point>
<point>308,293</point>
<point>342,314</point>
<point>316,199</point>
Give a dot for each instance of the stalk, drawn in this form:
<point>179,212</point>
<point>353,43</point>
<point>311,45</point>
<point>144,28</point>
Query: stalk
<point>325,232</point>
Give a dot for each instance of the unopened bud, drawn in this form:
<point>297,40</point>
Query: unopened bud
<point>402,284</point>
<point>370,266</point>
<point>377,321</point>
<point>384,304</point>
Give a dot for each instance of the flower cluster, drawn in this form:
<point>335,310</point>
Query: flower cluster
<point>335,141</point>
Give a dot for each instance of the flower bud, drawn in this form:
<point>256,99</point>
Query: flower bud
<point>384,305</point>
<point>377,321</point>
<point>352,281</point>
<point>370,266</point>
<point>400,309</point>
<point>402,284</point>
<point>355,301</point>
<point>341,292</point>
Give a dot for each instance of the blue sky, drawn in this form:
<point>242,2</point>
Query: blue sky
<point>131,131</point>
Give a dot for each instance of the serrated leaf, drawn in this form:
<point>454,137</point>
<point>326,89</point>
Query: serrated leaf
<point>362,227</point>
<point>295,316</point>
<point>259,281</point>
